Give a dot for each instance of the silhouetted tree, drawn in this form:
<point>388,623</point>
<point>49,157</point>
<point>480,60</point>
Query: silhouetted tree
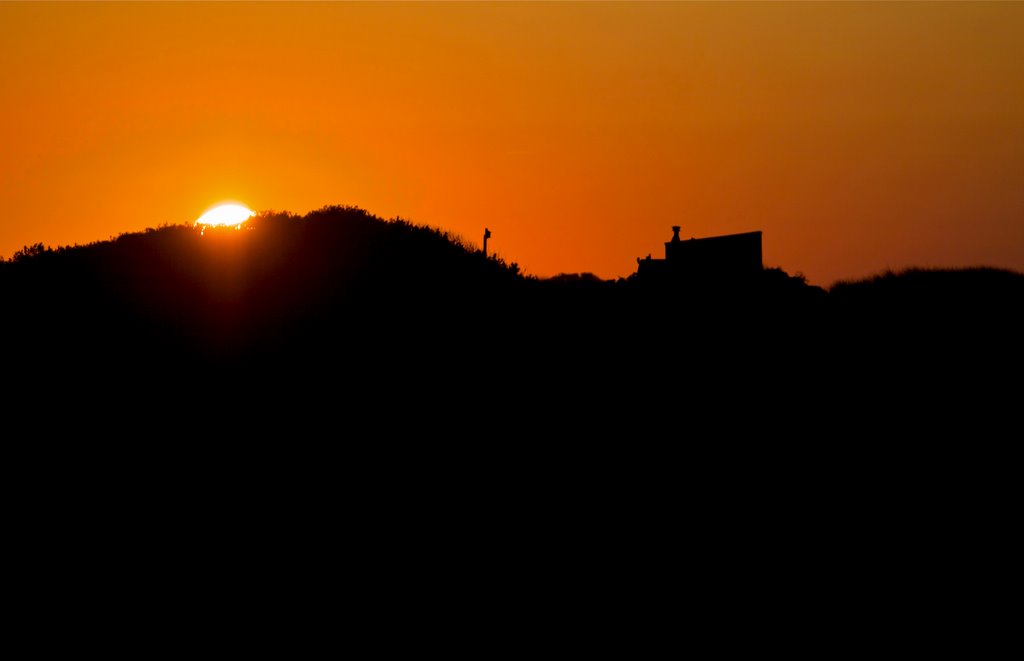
<point>30,251</point>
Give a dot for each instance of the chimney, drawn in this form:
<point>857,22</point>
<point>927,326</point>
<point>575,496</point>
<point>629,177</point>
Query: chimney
<point>675,233</point>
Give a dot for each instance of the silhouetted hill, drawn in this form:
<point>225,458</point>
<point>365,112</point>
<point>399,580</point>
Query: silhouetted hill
<point>318,368</point>
<point>373,307</point>
<point>960,323</point>
<point>987,294</point>
<point>228,289</point>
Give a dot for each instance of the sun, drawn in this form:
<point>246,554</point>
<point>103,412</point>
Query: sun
<point>225,215</point>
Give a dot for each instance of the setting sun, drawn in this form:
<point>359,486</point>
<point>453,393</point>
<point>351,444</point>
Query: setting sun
<point>225,215</point>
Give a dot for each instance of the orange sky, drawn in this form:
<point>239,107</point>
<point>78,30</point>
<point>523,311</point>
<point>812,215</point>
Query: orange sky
<point>857,136</point>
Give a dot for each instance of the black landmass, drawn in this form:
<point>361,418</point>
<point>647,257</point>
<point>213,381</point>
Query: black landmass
<point>349,310</point>
<point>339,390</point>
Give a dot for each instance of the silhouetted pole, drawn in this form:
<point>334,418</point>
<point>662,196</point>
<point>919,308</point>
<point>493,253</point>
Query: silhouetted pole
<point>487,235</point>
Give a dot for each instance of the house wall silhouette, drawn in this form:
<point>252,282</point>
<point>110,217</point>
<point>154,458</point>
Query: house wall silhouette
<point>729,257</point>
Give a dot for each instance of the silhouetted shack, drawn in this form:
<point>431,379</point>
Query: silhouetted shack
<point>729,257</point>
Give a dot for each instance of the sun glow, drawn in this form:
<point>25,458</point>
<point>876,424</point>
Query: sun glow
<point>225,215</point>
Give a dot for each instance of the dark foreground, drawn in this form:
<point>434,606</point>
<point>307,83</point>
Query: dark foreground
<point>339,307</point>
<point>338,391</point>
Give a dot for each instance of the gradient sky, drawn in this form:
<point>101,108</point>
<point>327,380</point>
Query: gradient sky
<point>858,136</point>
